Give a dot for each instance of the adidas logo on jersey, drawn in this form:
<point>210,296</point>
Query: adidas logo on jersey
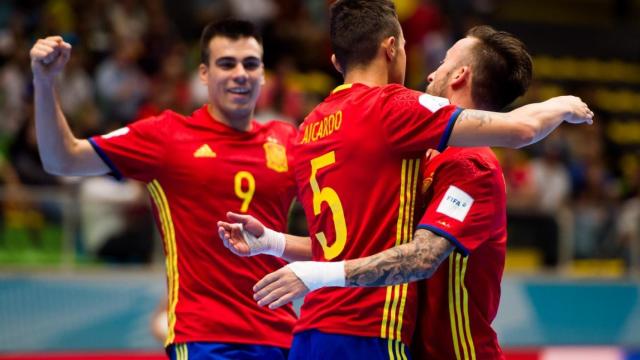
<point>204,151</point>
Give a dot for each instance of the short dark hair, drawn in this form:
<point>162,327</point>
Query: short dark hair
<point>358,26</point>
<point>503,68</point>
<point>233,29</point>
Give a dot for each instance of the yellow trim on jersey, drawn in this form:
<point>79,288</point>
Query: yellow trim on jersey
<point>465,302</point>
<point>169,237</point>
<point>459,308</point>
<point>396,296</point>
<point>397,349</point>
<point>342,87</point>
<point>454,332</point>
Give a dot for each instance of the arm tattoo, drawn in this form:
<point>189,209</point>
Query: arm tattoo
<point>478,116</point>
<point>414,261</point>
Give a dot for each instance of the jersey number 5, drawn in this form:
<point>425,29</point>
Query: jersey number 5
<point>328,195</point>
<point>244,195</point>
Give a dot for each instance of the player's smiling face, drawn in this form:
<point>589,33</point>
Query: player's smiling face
<point>234,76</point>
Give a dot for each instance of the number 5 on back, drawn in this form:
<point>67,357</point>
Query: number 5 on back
<point>328,195</point>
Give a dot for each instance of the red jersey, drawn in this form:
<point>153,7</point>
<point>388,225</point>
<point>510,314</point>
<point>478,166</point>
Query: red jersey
<point>197,169</point>
<point>466,197</point>
<point>357,169</point>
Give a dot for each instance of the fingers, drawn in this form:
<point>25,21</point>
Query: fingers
<point>233,239</point>
<point>275,290</point>
<point>238,218</point>
<point>224,235</point>
<point>266,280</point>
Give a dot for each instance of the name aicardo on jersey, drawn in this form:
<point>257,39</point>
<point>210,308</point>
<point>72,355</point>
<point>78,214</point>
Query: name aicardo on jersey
<point>357,170</point>
<point>465,192</point>
<point>197,169</point>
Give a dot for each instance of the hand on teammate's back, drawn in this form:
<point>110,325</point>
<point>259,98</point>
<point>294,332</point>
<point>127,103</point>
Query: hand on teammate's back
<point>576,110</point>
<point>49,56</point>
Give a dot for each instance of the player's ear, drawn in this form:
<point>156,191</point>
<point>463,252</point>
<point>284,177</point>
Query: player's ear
<point>390,47</point>
<point>203,71</point>
<point>336,64</point>
<point>461,76</point>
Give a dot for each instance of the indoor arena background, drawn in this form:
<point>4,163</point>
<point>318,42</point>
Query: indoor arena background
<point>81,265</point>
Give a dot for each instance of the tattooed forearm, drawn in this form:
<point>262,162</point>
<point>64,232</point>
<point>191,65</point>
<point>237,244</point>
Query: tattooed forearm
<point>409,262</point>
<point>479,117</point>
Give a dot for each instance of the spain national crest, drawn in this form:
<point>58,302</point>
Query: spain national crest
<point>276,156</point>
<point>426,183</point>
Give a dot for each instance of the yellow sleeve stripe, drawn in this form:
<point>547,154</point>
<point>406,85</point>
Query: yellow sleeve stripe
<point>396,296</point>
<point>459,308</point>
<point>169,237</point>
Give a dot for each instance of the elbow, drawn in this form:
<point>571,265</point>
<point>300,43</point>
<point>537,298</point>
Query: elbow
<point>59,168</point>
<point>522,135</point>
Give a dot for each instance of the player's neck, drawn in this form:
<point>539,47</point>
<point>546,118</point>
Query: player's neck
<point>464,100</point>
<point>237,122</point>
<point>369,75</point>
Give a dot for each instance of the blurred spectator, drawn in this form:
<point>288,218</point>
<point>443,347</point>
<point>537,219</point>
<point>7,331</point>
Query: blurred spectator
<point>116,225</point>
<point>121,85</point>
<point>594,214</point>
<point>169,88</point>
<point>628,223</point>
<point>128,19</point>
<point>13,88</point>
<point>281,98</point>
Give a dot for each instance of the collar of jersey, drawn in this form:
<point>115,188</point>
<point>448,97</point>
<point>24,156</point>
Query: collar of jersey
<point>206,119</point>
<point>341,87</point>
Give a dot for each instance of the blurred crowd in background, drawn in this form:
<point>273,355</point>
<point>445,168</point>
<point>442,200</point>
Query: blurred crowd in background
<point>574,199</point>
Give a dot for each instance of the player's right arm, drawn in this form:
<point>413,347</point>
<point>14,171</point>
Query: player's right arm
<point>60,151</point>
<point>520,127</point>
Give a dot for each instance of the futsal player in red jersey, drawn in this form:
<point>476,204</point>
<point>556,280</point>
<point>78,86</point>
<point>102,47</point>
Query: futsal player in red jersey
<point>196,168</point>
<point>465,219</point>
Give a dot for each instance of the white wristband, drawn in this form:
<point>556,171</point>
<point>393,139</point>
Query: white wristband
<point>270,242</point>
<point>316,274</point>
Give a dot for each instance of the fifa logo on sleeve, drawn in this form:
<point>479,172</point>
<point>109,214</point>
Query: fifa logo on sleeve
<point>276,155</point>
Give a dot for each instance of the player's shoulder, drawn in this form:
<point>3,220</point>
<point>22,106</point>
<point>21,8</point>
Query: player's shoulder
<point>393,90</point>
<point>398,94</point>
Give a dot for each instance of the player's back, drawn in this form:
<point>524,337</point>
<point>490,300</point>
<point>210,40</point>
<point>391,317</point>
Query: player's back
<point>357,170</point>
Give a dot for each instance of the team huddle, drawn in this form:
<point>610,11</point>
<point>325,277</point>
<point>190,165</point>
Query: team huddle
<point>404,201</point>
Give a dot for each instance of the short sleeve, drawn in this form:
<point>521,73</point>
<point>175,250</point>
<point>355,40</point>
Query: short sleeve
<point>464,206</point>
<point>413,121</point>
<point>135,151</point>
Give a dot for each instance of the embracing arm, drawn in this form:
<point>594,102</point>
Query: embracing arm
<point>61,152</point>
<point>413,261</point>
<point>520,127</point>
